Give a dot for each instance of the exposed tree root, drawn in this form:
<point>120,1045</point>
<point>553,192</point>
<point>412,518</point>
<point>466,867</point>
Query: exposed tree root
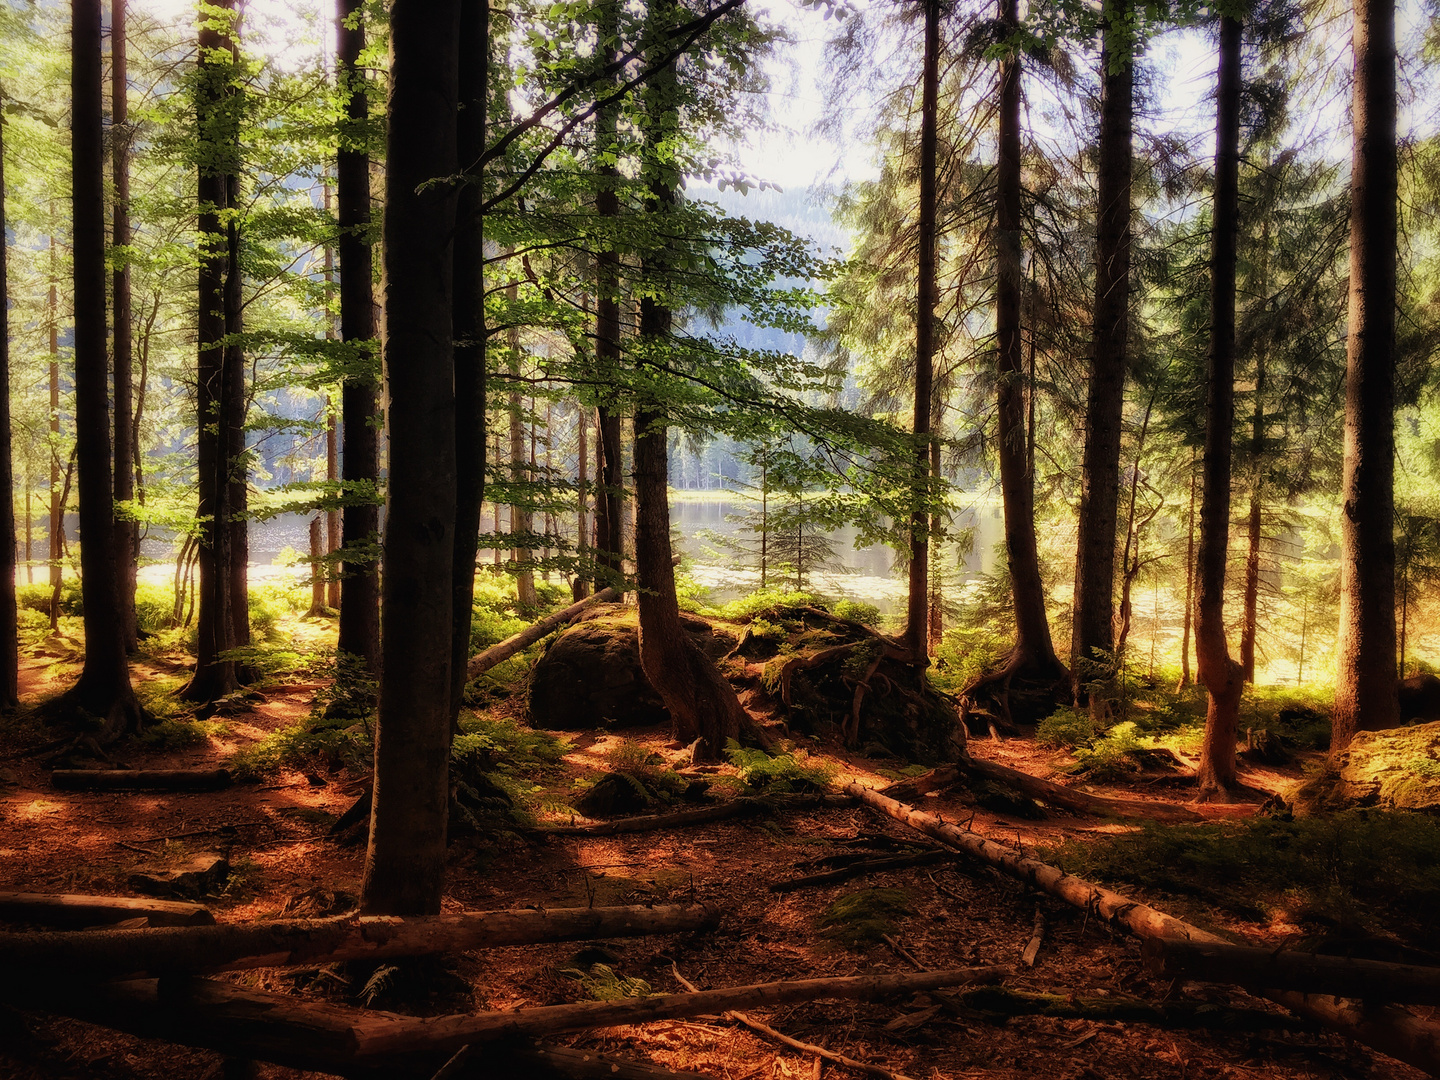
<point>1043,683</point>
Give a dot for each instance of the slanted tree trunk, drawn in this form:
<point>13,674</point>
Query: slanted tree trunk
<point>1189,583</point>
<point>9,614</point>
<point>1365,685</point>
<point>1221,675</point>
<point>1033,656</point>
<point>359,394</point>
<point>215,370</point>
<point>469,321</point>
<point>127,530</point>
<point>1092,640</point>
<point>103,689</point>
<point>702,705</point>
<point>916,613</point>
<point>405,864</point>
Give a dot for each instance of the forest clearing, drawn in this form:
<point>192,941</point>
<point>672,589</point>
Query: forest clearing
<point>495,585</point>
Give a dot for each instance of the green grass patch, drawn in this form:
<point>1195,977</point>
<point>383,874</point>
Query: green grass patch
<point>1366,869</point>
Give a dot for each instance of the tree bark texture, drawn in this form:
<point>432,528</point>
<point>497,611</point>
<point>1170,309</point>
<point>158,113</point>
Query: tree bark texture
<point>1365,684</point>
<point>1189,584</point>
<point>916,615</point>
<point>405,862</point>
<point>1092,636</point>
<point>317,568</point>
<point>218,131</point>
<point>359,394</point>
<point>1034,654</point>
<point>9,614</point>
<point>471,440</point>
<point>56,537</point>
<point>1221,675</point>
<point>127,529</point>
<point>103,689</point>
<point>79,910</point>
<point>609,500</point>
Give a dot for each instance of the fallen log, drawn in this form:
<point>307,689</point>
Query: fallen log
<point>338,1039</point>
<point>293,942</point>
<point>300,1034</point>
<point>745,806</point>
<point>136,779</point>
<point>1369,980</point>
<point>378,1043</point>
<point>1389,1029</point>
<point>497,654</point>
<point>1001,1002</point>
<point>72,909</point>
<point>862,867</point>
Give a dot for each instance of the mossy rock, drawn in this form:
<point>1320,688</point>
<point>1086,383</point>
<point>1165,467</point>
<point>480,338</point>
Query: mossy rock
<point>1397,769</point>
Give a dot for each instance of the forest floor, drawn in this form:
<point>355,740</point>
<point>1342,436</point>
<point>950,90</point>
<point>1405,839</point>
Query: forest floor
<point>949,914</point>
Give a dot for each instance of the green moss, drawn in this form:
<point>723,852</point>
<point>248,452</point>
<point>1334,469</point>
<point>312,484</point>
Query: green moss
<point>864,917</point>
<point>173,734</point>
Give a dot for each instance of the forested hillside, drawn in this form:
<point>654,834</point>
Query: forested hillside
<point>497,582</point>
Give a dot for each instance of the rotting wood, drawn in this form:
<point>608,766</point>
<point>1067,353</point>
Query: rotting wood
<point>745,806</point>
<point>1389,1029</point>
<point>1285,969</point>
<point>1032,947</point>
<point>498,654</point>
<point>73,909</point>
<point>862,867</point>
<point>233,946</point>
<point>138,779</point>
<point>794,1044</point>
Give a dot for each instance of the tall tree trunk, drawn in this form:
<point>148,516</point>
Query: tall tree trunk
<point>9,613</point>
<point>582,498</point>
<point>610,504</point>
<point>317,569</point>
<point>1189,584</point>
<point>103,688</point>
<point>333,538</point>
<point>1365,685</point>
<point>127,529</point>
<point>1033,656</point>
<point>405,864</point>
<point>359,394</point>
<point>522,523</point>
<point>702,705</point>
<point>1092,640</point>
<point>916,614</point>
<point>1220,674</point>
<point>234,408</point>
<point>56,541</point>
<point>609,500</point>
<point>469,326</point>
<point>215,382</point>
<point>1250,625</point>
<point>936,632</point>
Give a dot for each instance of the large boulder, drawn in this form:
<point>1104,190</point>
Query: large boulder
<point>1398,769</point>
<point>590,676</point>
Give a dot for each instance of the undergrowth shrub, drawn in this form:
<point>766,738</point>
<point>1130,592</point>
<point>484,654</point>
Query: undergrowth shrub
<point>638,778</point>
<point>177,733</point>
<point>783,773</point>
<point>339,742</point>
<point>857,611</point>
<point>1065,728</point>
<point>769,602</point>
<point>965,653</point>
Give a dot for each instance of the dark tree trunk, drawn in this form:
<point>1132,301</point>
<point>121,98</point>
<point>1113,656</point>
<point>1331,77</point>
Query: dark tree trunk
<point>522,522</point>
<point>916,614</point>
<point>702,705</point>
<point>317,569</point>
<point>470,435</point>
<point>103,688</point>
<point>1365,686</point>
<point>215,371</point>
<point>332,517</point>
<point>1220,674</point>
<point>1092,636</point>
<point>582,498</point>
<point>9,615</point>
<point>359,395</point>
<point>127,530</point>
<point>1250,626</point>
<point>1189,584</point>
<point>405,864</point>
<point>233,411</point>
<point>609,499</point>
<point>610,505</point>
<point>1034,655</point>
<point>936,633</point>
